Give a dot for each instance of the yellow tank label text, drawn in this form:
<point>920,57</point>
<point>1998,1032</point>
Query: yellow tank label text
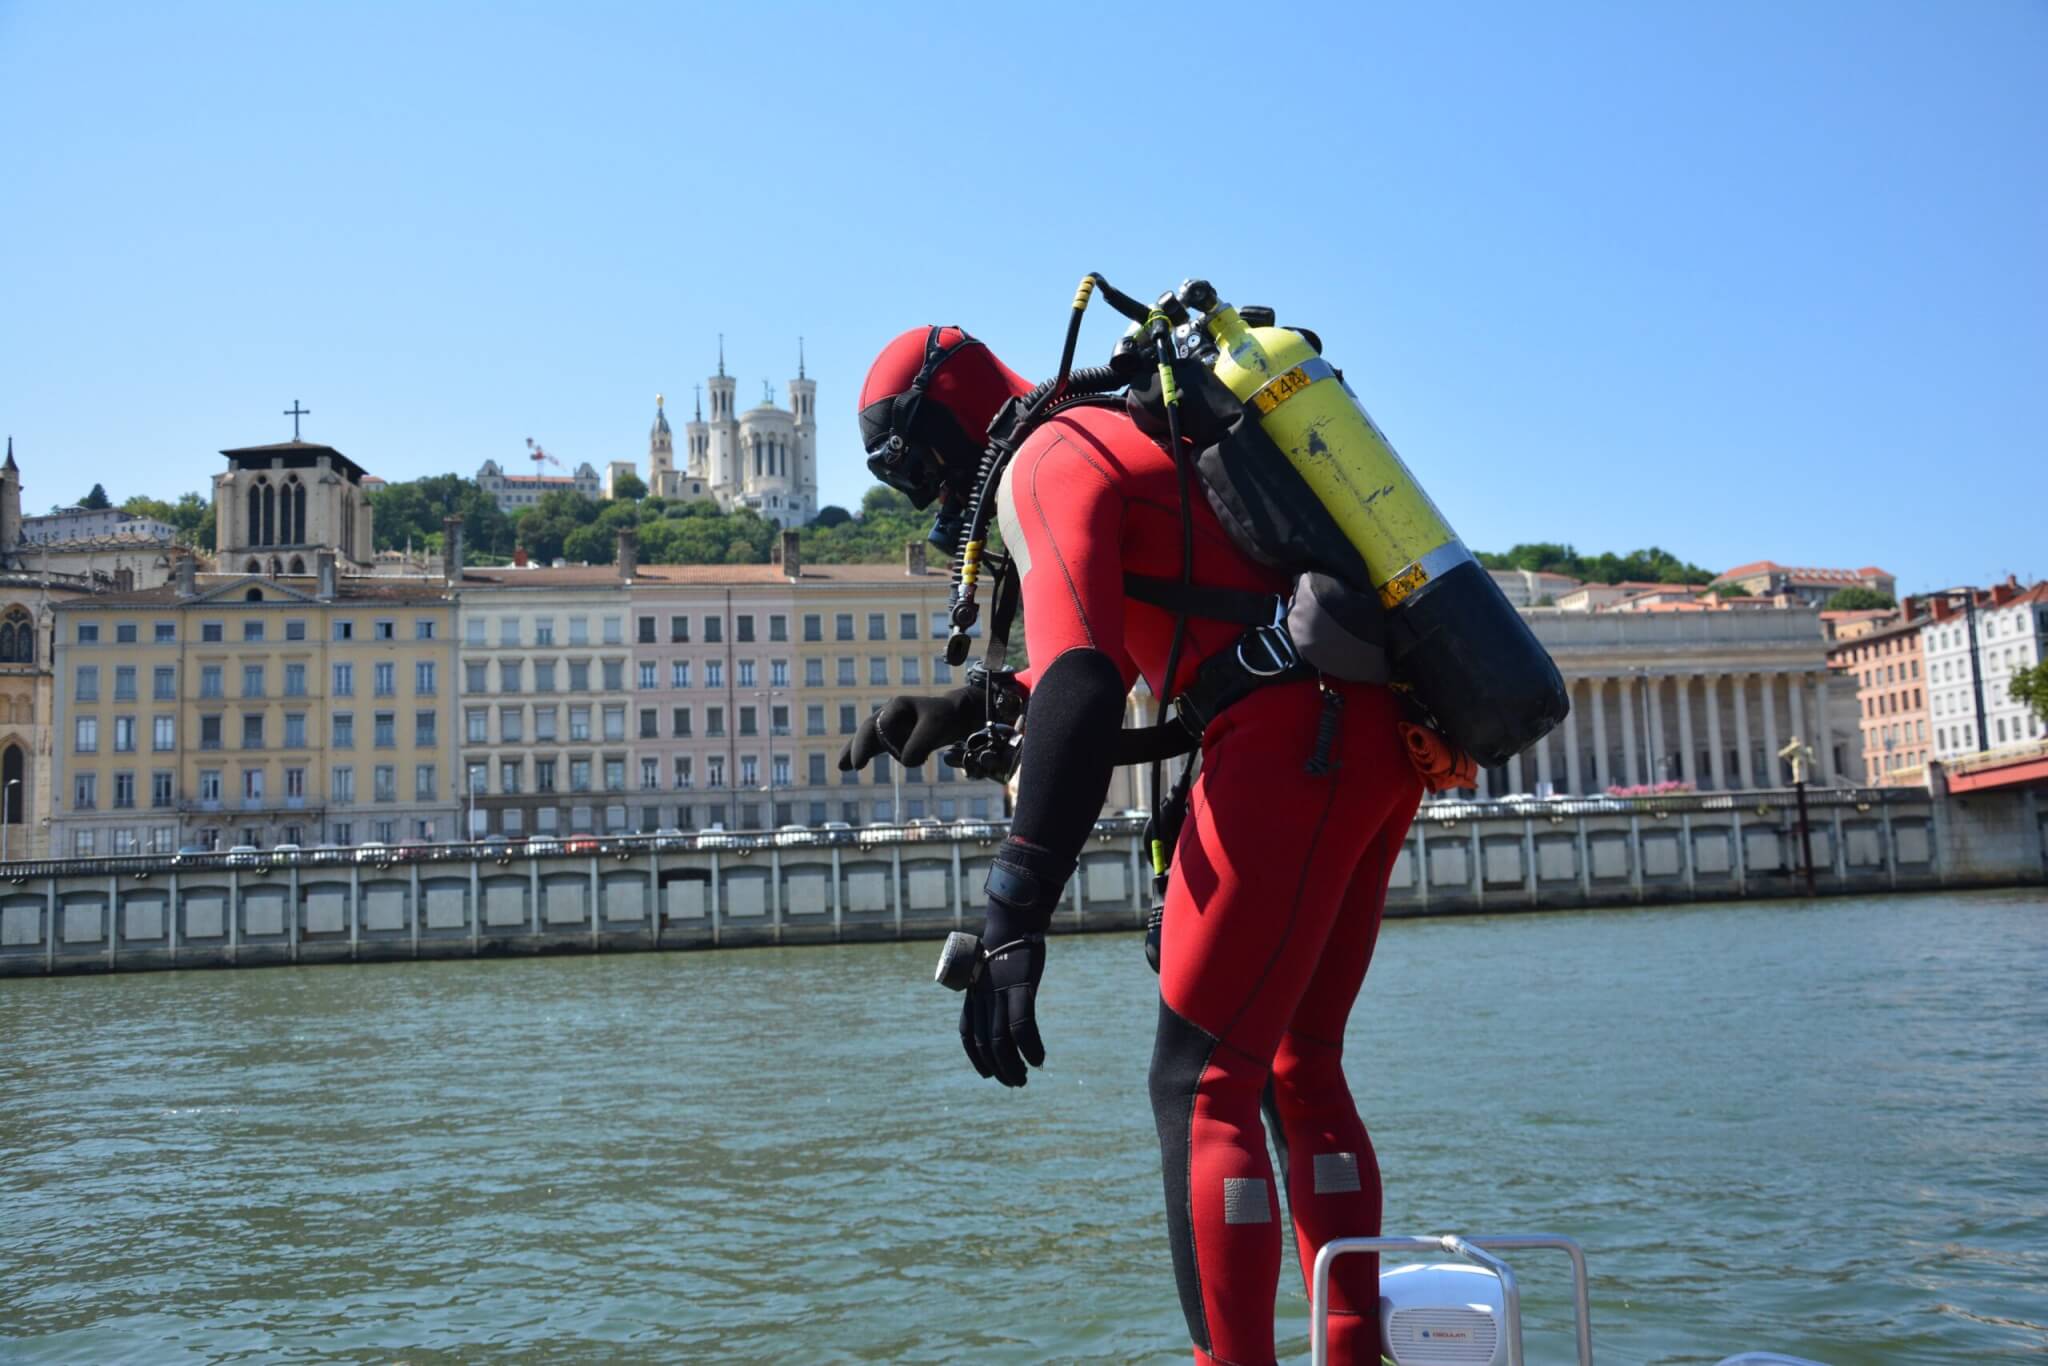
<point>1281,389</point>
<point>1403,584</point>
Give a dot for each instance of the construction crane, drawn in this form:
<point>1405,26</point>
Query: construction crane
<point>539,456</point>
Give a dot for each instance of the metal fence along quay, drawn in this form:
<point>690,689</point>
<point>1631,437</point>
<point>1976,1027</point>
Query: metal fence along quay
<point>590,893</point>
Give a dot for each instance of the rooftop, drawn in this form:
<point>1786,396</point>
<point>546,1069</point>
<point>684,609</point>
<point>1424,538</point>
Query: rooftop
<point>295,454</point>
<point>1801,574</point>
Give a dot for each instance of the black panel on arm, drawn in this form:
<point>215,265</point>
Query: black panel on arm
<point>1070,730</point>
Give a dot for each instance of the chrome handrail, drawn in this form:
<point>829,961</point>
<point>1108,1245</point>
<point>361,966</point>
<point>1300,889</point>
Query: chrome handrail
<point>1477,1250</point>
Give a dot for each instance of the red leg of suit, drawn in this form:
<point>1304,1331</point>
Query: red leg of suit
<point>1277,887</point>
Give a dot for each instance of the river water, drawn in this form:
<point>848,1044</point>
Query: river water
<point>1817,1128</point>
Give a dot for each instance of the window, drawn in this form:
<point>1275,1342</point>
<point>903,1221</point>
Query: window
<point>344,680</point>
<point>683,771</point>
<point>743,628</point>
<point>344,629</point>
<point>579,775</point>
<point>473,631</point>
<point>842,626</point>
<point>910,672</point>
<point>880,768</point>
<point>295,786</point>
<point>295,731</point>
<point>649,674</point>
<point>85,791</point>
<point>543,630</point>
<point>384,630</point>
<point>212,632</point>
<point>252,680</point>
<point>778,718</point>
<point>252,732</point>
<point>814,719</point>
<point>424,678</point>
<point>614,723</point>
<point>778,627</point>
<point>679,674</point>
<point>817,769</point>
<point>163,733</point>
<point>423,629</point>
<point>848,721</point>
<point>344,728</point>
<point>476,676</point>
<point>88,689</point>
<point>508,630</point>
<point>650,723</point>
<point>650,774</point>
<point>714,673</point>
<point>163,684</point>
<point>679,630</point>
<point>510,673</point>
<point>942,672</point>
<point>385,679</point>
<point>679,721</point>
<point>714,721</point>
<point>384,732</point>
<point>424,729</point>
<point>252,630</point>
<point>124,734</point>
<point>644,633</point>
<point>579,723</point>
<point>252,786</point>
<point>162,789</point>
<point>166,632</point>
<point>906,626</point>
<point>750,771</point>
<point>124,684</point>
<point>88,633</point>
<point>745,668</point>
<point>509,774</point>
<point>384,781</point>
<point>124,791</point>
<point>614,630</point>
<point>814,626</point>
<point>747,722</point>
<point>878,671</point>
<point>714,630</point>
<point>544,775</point>
<point>477,726</point>
<point>87,735</point>
<point>878,626</point>
<point>778,673</point>
<point>544,724</point>
<point>579,675</point>
<point>714,771</point>
<point>614,675</point>
<point>294,680</point>
<point>543,675</point>
<point>814,673</point>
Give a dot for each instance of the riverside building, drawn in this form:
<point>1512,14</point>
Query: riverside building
<point>1974,640</point>
<point>1882,661</point>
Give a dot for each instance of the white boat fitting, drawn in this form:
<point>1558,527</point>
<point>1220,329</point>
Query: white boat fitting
<point>1463,1313</point>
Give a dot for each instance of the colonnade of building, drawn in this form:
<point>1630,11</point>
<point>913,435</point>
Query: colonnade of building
<point>1714,731</point>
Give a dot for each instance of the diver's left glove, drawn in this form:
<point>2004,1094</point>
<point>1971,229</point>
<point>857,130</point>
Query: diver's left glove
<point>999,1018</point>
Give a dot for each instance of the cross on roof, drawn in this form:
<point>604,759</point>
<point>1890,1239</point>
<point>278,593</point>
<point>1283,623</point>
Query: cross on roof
<point>295,412</point>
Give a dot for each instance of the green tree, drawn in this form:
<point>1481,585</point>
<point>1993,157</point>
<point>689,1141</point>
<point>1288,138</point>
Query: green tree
<point>97,500</point>
<point>1858,599</point>
<point>2029,687</point>
<point>629,487</point>
<point>831,515</point>
<point>1654,565</point>
<point>1731,590</point>
<point>191,517</point>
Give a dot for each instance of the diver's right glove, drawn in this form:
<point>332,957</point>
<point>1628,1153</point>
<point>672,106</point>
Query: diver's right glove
<point>999,1018</point>
<point>912,728</point>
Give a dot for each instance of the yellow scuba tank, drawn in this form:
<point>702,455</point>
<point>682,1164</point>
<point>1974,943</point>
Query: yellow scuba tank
<point>1452,634</point>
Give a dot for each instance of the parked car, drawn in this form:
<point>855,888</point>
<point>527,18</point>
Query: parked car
<point>245,856</point>
<point>836,832</point>
<point>285,853</point>
<point>541,846</point>
<point>791,836</point>
<point>374,851</point>
<point>668,837</point>
<point>580,844</point>
<point>925,828</point>
<point>973,830</point>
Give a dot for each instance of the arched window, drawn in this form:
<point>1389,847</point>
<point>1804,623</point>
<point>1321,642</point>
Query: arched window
<point>256,514</point>
<point>276,566</point>
<point>17,636</point>
<point>255,566</point>
<point>13,784</point>
<point>253,595</point>
<point>298,564</point>
<point>294,514</point>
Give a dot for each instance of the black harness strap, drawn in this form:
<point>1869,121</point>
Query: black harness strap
<point>1238,605</point>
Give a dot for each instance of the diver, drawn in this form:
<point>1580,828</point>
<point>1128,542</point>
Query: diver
<point>1305,792</point>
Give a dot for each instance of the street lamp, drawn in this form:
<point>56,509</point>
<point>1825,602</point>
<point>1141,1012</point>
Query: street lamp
<point>7,814</point>
<point>767,698</point>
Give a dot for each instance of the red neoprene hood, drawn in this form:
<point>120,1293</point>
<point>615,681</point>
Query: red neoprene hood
<point>970,384</point>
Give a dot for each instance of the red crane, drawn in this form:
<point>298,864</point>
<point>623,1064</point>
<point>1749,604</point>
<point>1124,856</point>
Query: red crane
<point>538,456</point>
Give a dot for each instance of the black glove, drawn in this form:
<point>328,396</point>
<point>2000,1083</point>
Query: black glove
<point>999,1020</point>
<point>914,728</point>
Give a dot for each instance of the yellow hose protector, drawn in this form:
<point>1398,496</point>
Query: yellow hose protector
<point>1326,434</point>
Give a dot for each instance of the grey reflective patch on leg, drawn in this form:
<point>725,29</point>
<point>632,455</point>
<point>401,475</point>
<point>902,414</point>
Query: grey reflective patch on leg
<point>1246,1201</point>
<point>1336,1173</point>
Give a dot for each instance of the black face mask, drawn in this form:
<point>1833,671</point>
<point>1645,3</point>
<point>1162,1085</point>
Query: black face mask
<point>912,446</point>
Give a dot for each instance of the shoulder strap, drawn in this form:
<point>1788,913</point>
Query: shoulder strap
<point>1238,605</point>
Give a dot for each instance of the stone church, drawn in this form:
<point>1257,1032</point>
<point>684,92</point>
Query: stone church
<point>274,505</point>
<point>765,458</point>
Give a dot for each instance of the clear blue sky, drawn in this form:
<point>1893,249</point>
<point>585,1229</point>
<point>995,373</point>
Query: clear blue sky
<point>1743,280</point>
